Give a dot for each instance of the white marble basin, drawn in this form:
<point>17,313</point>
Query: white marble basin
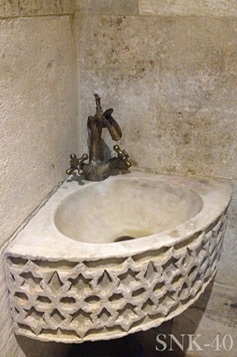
<point>104,259</point>
<point>122,209</point>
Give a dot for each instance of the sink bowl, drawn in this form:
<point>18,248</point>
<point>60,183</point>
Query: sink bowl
<point>105,259</point>
<point>122,209</point>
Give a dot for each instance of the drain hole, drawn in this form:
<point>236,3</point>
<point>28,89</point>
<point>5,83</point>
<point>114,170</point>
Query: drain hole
<point>123,238</point>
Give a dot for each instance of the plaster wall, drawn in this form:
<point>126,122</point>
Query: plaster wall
<point>172,83</point>
<point>38,106</point>
<point>169,71</point>
<point>168,68</point>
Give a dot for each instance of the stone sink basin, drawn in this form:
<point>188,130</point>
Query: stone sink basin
<point>103,259</point>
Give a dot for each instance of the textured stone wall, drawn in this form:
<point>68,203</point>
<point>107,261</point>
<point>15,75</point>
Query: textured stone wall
<point>108,7</point>
<point>172,84</point>
<point>210,8</point>
<point>169,70</point>
<point>38,109</point>
<point>15,8</point>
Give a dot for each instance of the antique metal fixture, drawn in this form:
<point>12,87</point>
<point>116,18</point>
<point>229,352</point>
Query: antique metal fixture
<point>97,169</point>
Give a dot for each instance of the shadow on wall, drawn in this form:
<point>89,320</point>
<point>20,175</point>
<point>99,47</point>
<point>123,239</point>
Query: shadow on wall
<point>145,344</point>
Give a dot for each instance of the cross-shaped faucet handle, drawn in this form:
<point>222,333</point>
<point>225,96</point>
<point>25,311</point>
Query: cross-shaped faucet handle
<point>76,164</point>
<point>123,156</point>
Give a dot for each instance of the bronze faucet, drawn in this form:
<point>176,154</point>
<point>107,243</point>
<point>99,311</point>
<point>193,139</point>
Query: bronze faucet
<point>97,169</point>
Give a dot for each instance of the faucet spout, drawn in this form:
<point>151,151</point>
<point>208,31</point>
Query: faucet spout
<point>110,123</point>
<point>97,169</point>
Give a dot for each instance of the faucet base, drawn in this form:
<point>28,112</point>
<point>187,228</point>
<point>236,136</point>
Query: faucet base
<point>97,171</point>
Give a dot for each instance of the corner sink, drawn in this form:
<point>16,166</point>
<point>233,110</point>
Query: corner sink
<point>105,259</point>
<point>122,209</point>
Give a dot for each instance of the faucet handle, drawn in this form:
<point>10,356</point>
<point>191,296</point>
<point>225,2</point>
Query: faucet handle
<point>76,164</point>
<point>123,156</point>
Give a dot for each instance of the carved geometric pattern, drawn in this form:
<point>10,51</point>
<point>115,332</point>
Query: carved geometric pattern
<point>92,300</point>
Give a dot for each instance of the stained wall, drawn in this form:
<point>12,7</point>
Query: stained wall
<point>169,70</point>
<point>38,113</point>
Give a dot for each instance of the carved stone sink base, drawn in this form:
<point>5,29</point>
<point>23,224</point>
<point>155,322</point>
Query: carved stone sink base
<point>76,300</point>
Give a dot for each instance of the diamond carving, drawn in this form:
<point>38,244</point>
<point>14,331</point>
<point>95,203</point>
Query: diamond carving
<point>82,300</point>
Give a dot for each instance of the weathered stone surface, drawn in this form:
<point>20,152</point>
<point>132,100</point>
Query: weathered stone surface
<point>37,125</point>
<point>107,7</point>
<point>213,316</point>
<point>37,130</point>
<point>212,8</point>
<point>172,84</point>
<point>74,288</point>
<point>15,8</point>
<point>20,346</point>
<point>227,270</point>
<point>188,141</point>
<point>38,113</point>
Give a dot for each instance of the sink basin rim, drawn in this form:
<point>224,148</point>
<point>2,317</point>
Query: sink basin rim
<point>215,196</point>
<point>76,197</point>
<point>62,277</point>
